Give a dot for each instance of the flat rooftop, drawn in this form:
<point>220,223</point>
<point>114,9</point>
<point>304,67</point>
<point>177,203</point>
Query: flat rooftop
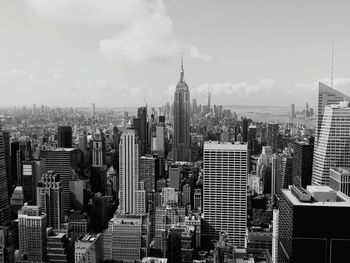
<point>342,199</point>
<point>215,145</point>
<point>342,170</point>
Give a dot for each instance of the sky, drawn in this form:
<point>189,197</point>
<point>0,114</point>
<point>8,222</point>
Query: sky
<point>119,53</point>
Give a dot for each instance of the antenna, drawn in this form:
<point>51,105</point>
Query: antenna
<point>332,59</point>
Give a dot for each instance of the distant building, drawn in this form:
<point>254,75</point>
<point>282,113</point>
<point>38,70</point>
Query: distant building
<point>272,132</point>
<point>65,136</point>
<point>292,111</point>
<point>99,148</point>
<point>182,111</point>
<point>175,177</point>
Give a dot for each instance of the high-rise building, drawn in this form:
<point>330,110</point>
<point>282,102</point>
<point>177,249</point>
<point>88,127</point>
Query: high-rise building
<point>32,171</point>
<point>182,110</point>
<point>326,96</point>
<point>275,175</point>
<point>149,167</point>
<point>339,179</point>
<point>198,199</point>
<point>311,225</point>
<point>225,191</point>
<point>58,249</point>
<point>140,125</point>
<point>132,195</point>
<point>93,110</point>
<point>286,171</point>
<point>194,106</point>
<point>99,148</point>
<point>209,102</point>
<point>4,198</point>
<point>303,154</point>
<point>65,136</point>
<point>245,130</point>
<point>32,234</point>
<point>333,148</point>
<point>64,162</point>
<point>272,132</point>
<point>126,238</point>
<point>49,198</point>
<point>88,249</point>
<point>175,177</point>
<point>292,111</point>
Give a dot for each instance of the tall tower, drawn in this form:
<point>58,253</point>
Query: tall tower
<point>99,149</point>
<point>132,193</point>
<point>65,136</point>
<point>333,148</point>
<point>49,198</point>
<point>225,191</point>
<point>209,101</point>
<point>4,198</point>
<point>326,96</point>
<point>182,110</point>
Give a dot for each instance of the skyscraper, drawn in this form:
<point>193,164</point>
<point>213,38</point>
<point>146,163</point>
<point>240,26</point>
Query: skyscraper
<point>272,132</point>
<point>65,136</point>
<point>311,225</point>
<point>303,154</point>
<point>225,191</point>
<point>63,161</point>
<point>245,130</point>
<point>32,234</point>
<point>132,194</point>
<point>32,171</point>
<point>49,198</point>
<point>333,148</point>
<point>326,96</point>
<point>99,148</point>
<point>292,111</point>
<point>182,110</point>
<point>140,125</point>
<point>4,198</point>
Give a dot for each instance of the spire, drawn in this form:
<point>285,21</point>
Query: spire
<point>332,58</point>
<point>182,68</point>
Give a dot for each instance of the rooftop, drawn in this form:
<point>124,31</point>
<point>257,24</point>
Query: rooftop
<point>342,170</point>
<point>215,145</point>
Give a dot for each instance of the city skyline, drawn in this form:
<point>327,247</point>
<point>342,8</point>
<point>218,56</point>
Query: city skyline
<point>93,51</point>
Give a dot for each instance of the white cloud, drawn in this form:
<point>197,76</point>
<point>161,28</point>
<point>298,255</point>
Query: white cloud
<point>144,30</point>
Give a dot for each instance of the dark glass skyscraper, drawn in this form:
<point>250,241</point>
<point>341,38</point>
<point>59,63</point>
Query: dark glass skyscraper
<point>182,110</point>
<point>65,136</point>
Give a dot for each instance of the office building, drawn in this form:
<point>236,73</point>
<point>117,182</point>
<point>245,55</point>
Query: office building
<point>303,154</point>
<point>141,127</point>
<point>175,177</point>
<point>326,96</point>
<point>149,166</point>
<point>31,175</point>
<point>32,234</point>
<point>198,199</point>
<point>245,130</point>
<point>292,111</point>
<point>88,249</point>
<point>49,198</point>
<point>58,250</point>
<point>252,140</point>
<point>5,210</point>
<point>132,196</point>
<point>186,195</point>
<point>126,238</point>
<point>182,110</point>
<point>98,148</point>
<point>180,243</point>
<point>333,148</point>
<point>339,179</point>
<point>78,222</point>
<point>65,136</point>
<point>225,191</point>
<point>286,170</point>
<point>322,237</point>
<point>272,132</point>
<point>64,162</point>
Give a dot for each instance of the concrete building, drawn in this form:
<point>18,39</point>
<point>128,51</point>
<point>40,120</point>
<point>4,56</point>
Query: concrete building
<point>126,238</point>
<point>63,161</point>
<point>175,177</point>
<point>332,149</point>
<point>88,249</point>
<point>339,179</point>
<point>98,148</point>
<point>58,250</point>
<point>32,171</point>
<point>65,136</point>
<point>132,194</point>
<point>225,191</point>
<point>49,198</point>
<point>32,234</point>
<point>198,201</point>
<point>272,132</point>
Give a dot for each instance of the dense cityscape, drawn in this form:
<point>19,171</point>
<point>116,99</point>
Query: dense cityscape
<point>179,183</point>
<point>152,131</point>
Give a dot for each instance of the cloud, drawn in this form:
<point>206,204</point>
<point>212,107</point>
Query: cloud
<point>143,29</point>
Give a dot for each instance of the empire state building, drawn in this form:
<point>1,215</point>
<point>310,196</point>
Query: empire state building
<point>182,139</point>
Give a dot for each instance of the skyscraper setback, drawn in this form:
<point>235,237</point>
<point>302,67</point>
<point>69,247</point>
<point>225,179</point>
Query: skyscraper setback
<point>182,110</point>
